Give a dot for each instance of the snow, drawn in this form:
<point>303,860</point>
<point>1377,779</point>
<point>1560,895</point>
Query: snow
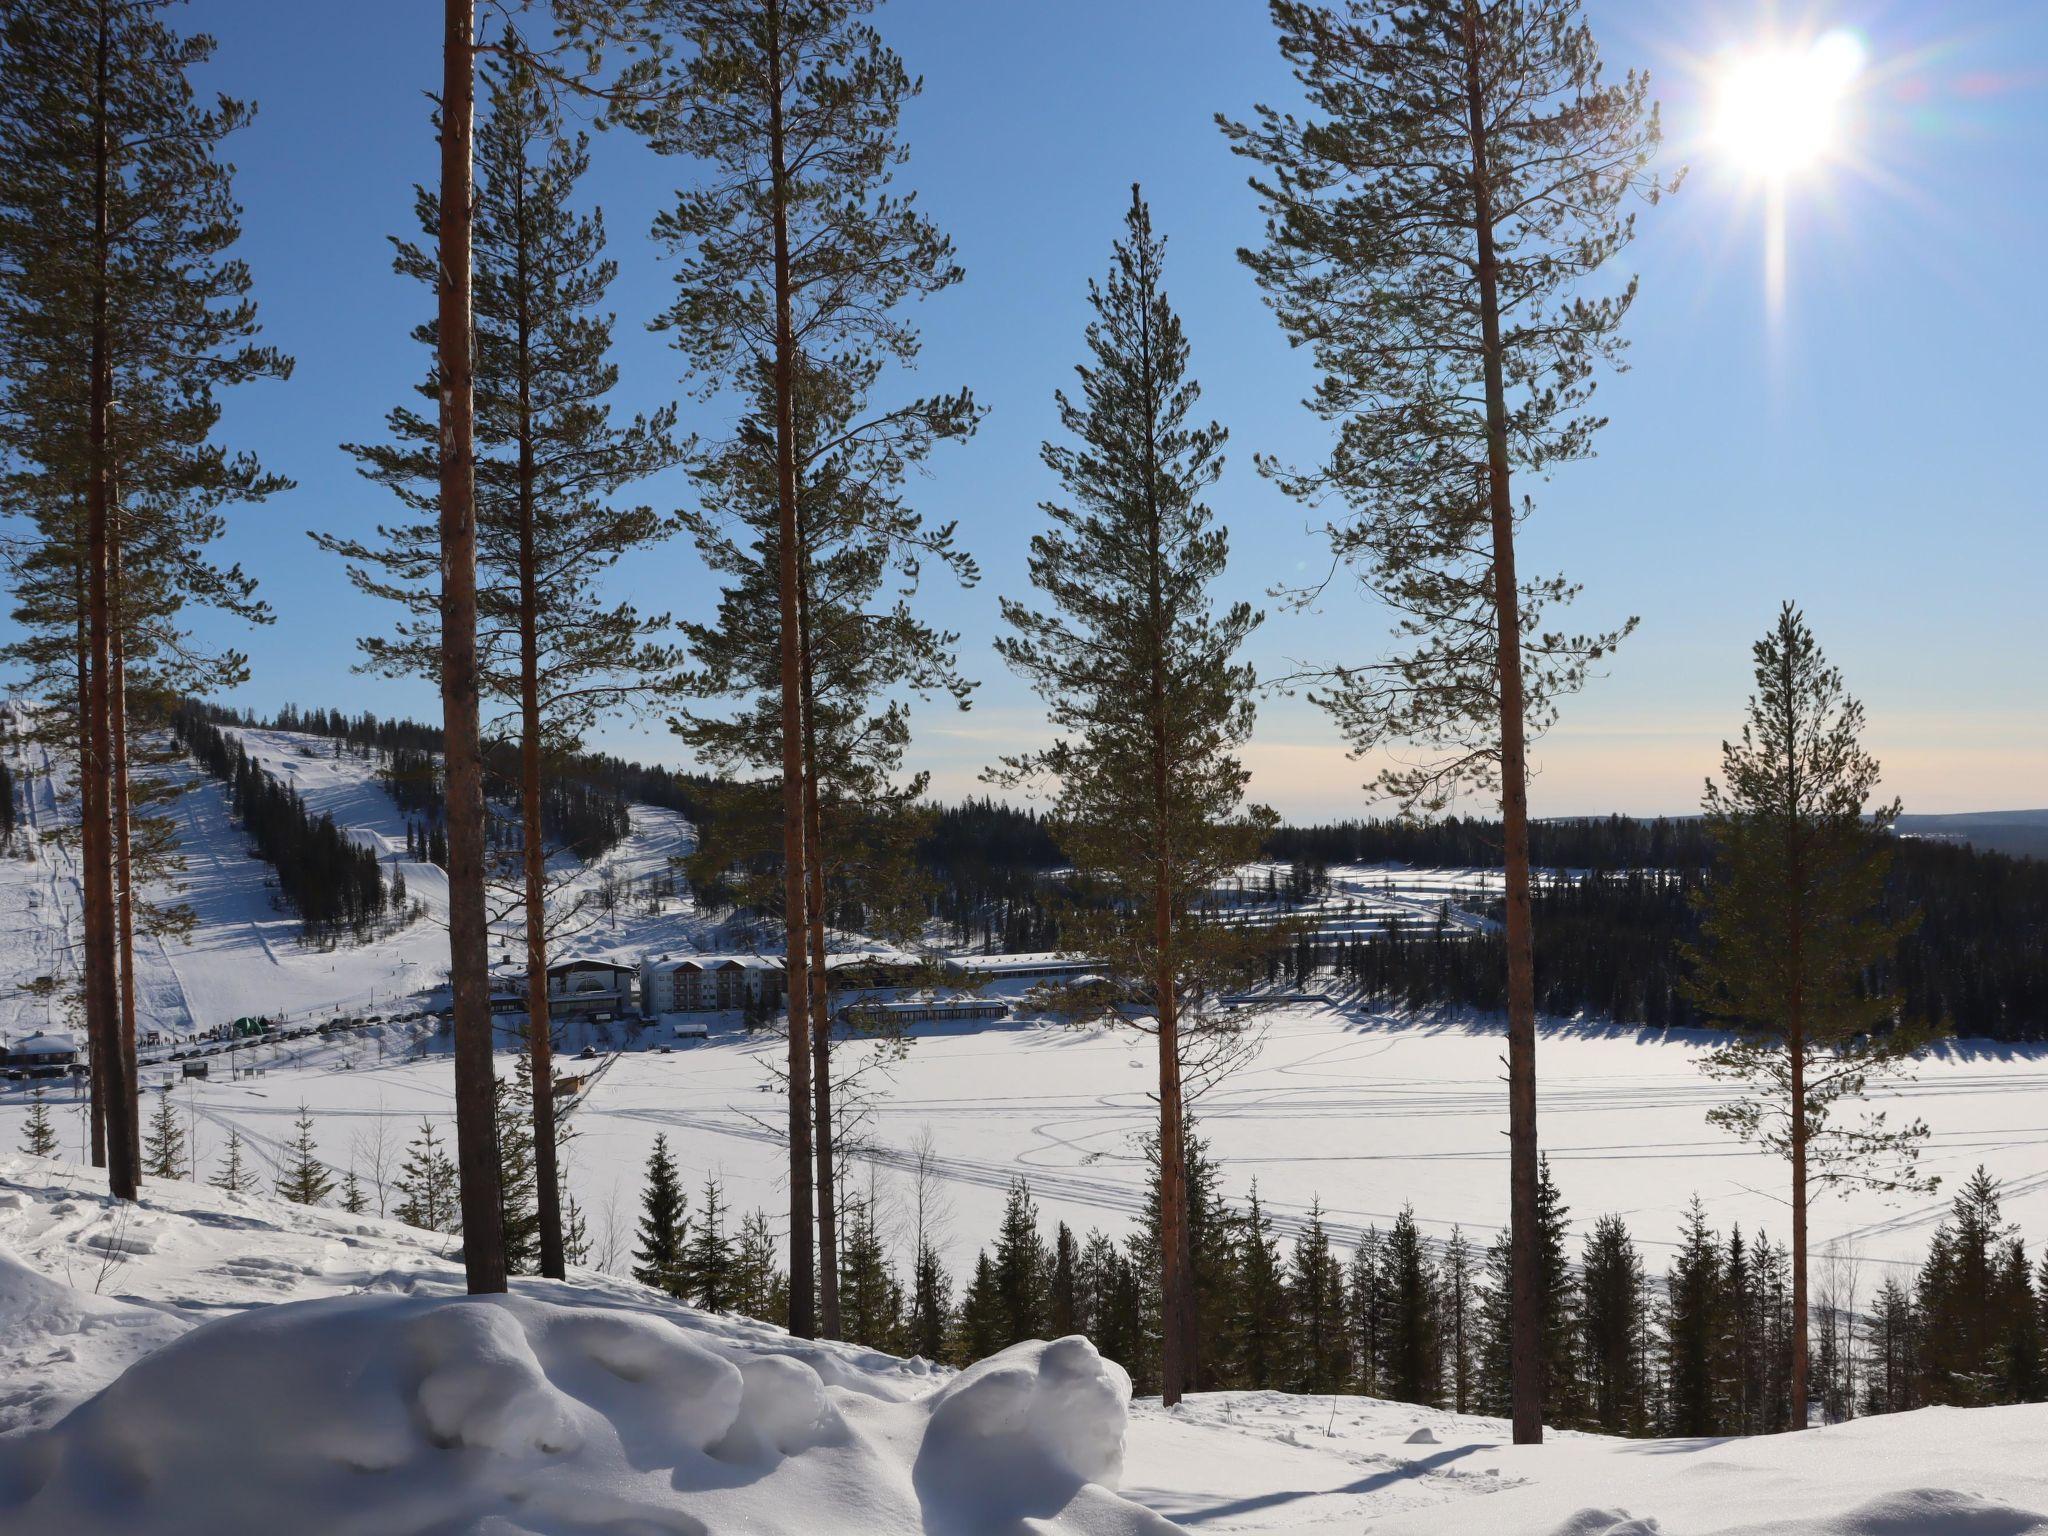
<point>389,1402</point>
<point>260,1358</point>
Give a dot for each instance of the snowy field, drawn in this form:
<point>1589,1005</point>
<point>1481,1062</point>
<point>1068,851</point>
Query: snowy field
<point>592,1407</point>
<point>1364,1112</point>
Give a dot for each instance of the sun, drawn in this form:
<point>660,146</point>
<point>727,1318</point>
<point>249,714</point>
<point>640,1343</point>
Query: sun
<point>1781,106</point>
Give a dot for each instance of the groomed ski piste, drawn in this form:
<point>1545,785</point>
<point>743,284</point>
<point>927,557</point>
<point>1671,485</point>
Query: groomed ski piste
<point>1362,1109</point>
<point>349,1387</point>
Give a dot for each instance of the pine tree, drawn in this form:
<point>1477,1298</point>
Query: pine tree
<point>38,1135</point>
<point>304,1179</point>
<point>1413,1359</point>
<point>550,459</point>
<point>1460,172</point>
<point>1613,1330</point>
<point>1140,673</point>
<point>1694,1319</point>
<point>1315,1288</point>
<point>122,318</point>
<point>708,1255</point>
<point>795,256</point>
<point>163,1147</point>
<point>1021,1270</point>
<point>235,1175</point>
<point>662,1259</point>
<point>1790,942</point>
<point>428,1185</point>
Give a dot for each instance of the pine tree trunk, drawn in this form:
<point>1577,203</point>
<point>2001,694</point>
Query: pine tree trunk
<point>1526,1326</point>
<point>803,1268</point>
<point>124,1153</point>
<point>483,1229</point>
<point>540,1042</point>
<point>1795,1030</point>
<point>821,1001</point>
<point>124,870</point>
<point>97,1110</point>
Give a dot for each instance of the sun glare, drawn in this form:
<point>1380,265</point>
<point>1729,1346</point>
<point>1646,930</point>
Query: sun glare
<point>1781,106</point>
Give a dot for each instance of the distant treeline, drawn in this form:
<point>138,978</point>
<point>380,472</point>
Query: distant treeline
<point>987,864</point>
<point>1607,945</point>
<point>1469,842</point>
<point>335,885</point>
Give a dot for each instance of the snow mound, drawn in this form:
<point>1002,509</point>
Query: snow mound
<point>406,1414</point>
<point>1912,1512</point>
<point>57,1343</point>
<point>1606,1522</point>
<point>1023,1433</point>
<point>1423,1436</point>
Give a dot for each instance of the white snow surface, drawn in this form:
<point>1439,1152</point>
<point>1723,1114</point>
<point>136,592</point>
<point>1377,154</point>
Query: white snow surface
<point>259,1367</point>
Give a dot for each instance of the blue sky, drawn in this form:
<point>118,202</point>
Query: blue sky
<point>1869,450</point>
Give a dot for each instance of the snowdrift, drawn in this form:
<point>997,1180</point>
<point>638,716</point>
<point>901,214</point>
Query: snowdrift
<point>394,1414</point>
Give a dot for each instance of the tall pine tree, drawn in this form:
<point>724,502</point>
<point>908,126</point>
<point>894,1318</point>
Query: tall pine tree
<point>1791,938</point>
<point>1459,174</point>
<point>1139,674</point>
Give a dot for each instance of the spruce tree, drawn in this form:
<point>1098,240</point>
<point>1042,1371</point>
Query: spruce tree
<point>1963,1302</point>
<point>303,1178</point>
<point>1555,1298</point>
<point>1414,1369</point>
<point>550,460</point>
<point>519,1216</point>
<point>1459,1324</point>
<point>662,1259</point>
<point>1139,674</point>
<point>760,1289</point>
<point>163,1146</point>
<point>428,1186</point>
<point>795,255</point>
<point>871,1299</point>
<point>1791,941</point>
<point>1315,1288</point>
<point>1430,222</point>
<point>1262,1334</point>
<point>1613,1330</point>
<point>38,1135</point>
<point>353,1200</point>
<point>708,1255</point>
<point>234,1175</point>
<point>1694,1328</point>
<point>931,1303</point>
<point>1065,1316</point>
<point>1891,1361</point>
<point>981,1327</point>
<point>1370,1318</point>
<point>1021,1271</point>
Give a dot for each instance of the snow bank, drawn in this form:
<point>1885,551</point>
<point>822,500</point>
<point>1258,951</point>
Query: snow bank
<point>1912,1512</point>
<point>398,1414</point>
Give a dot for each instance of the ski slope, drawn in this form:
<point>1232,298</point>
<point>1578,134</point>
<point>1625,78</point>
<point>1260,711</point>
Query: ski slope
<point>201,1362</point>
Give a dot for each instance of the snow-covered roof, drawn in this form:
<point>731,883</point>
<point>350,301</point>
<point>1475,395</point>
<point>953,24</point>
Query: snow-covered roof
<point>43,1042</point>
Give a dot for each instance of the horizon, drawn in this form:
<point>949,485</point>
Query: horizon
<point>1838,476</point>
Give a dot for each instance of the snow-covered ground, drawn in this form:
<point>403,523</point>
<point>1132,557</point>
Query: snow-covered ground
<point>1364,1110</point>
<point>229,1364</point>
